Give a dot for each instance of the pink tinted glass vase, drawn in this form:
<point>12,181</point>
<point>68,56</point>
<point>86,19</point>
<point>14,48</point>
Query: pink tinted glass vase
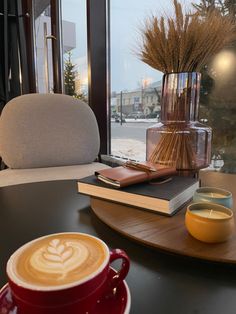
<point>180,140</point>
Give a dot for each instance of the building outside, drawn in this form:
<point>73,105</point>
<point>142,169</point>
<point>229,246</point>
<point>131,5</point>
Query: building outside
<point>139,103</point>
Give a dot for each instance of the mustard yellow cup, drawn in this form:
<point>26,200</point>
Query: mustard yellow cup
<point>209,222</point>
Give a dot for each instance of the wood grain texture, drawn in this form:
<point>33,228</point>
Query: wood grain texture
<point>169,233</point>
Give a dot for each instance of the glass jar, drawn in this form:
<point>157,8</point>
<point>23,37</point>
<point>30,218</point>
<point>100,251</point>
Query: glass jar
<point>180,140</point>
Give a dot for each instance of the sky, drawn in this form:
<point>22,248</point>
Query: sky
<point>127,71</point>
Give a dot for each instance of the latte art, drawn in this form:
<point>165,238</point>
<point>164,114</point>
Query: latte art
<point>58,257</point>
<point>58,260</point>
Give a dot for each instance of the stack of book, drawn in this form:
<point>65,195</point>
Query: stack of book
<point>165,196</point>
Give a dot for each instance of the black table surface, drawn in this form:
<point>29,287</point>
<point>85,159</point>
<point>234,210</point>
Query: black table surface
<point>159,283</point>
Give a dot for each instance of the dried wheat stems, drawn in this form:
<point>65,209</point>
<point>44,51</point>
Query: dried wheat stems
<point>185,42</point>
<point>175,149</point>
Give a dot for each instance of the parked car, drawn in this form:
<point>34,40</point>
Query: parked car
<point>117,118</point>
<point>136,115</point>
<point>153,115</point>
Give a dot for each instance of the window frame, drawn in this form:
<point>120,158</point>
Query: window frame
<point>98,47</point>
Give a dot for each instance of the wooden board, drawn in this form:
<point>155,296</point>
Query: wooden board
<point>161,232</point>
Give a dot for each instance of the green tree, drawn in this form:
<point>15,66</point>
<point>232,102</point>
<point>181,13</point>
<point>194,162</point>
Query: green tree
<point>218,94</point>
<point>70,76</point>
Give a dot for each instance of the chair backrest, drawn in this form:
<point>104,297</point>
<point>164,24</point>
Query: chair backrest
<point>45,130</point>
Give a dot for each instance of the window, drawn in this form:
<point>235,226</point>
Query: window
<point>74,36</point>
<point>43,48</point>
<point>132,78</point>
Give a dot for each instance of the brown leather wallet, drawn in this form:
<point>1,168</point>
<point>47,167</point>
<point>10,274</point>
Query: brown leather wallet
<point>133,172</point>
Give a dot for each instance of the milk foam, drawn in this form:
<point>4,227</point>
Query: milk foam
<point>58,257</point>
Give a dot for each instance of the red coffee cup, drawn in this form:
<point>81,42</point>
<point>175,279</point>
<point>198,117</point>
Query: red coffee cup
<point>38,275</point>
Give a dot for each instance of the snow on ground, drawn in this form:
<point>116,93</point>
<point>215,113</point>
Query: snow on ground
<point>141,120</point>
<point>129,148</point>
<point>138,120</point>
<point>134,149</point>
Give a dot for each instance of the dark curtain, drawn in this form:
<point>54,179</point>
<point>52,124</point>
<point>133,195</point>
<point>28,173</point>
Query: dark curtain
<point>14,74</point>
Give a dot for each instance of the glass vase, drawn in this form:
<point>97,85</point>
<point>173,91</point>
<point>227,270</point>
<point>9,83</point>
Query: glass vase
<point>179,139</point>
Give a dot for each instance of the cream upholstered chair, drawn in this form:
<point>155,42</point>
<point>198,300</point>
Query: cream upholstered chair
<point>47,137</point>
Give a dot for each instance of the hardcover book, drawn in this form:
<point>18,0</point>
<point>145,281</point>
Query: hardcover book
<point>164,198</point>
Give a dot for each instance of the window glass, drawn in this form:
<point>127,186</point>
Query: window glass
<point>44,74</point>
<point>134,80</point>
<point>74,45</point>
<point>74,38</point>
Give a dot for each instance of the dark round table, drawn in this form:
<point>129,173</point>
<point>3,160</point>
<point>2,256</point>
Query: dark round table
<point>159,283</point>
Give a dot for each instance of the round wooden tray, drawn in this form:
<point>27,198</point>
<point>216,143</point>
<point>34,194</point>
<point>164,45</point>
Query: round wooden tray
<point>161,232</point>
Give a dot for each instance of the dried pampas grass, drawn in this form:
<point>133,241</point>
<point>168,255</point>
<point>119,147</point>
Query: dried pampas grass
<point>185,42</point>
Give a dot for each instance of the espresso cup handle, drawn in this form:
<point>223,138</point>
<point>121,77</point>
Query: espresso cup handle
<point>122,273</point>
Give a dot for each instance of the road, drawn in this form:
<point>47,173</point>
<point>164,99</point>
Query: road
<point>134,130</point>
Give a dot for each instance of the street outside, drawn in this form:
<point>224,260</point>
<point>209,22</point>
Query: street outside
<point>129,139</point>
